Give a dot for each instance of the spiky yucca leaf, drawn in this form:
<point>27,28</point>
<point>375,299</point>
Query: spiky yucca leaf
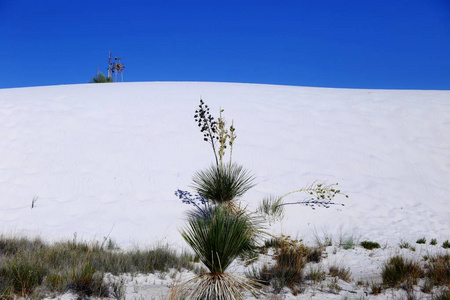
<point>218,236</point>
<point>222,184</point>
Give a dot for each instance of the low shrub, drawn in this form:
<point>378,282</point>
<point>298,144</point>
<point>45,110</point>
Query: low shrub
<point>100,78</point>
<point>341,272</point>
<point>290,257</point>
<point>369,245</point>
<point>433,242</point>
<point>398,270</point>
<point>421,241</point>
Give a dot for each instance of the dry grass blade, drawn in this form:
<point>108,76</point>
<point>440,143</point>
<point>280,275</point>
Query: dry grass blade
<point>223,287</point>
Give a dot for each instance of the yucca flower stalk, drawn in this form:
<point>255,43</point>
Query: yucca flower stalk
<point>208,126</point>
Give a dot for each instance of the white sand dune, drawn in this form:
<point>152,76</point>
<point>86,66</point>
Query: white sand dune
<point>110,156</point>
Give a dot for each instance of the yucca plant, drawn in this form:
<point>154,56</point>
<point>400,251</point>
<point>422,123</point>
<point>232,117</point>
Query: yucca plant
<point>100,78</point>
<point>218,236</point>
<point>223,184</point>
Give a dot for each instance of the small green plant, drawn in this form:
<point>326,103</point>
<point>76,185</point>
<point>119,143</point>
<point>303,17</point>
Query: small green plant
<point>404,245</point>
<point>369,245</point>
<point>347,241</point>
<point>433,242</point>
<point>100,78</point>
<point>398,270</point>
<point>446,244</point>
<point>421,241</point>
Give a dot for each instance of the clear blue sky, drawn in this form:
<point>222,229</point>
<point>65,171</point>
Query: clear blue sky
<point>403,44</point>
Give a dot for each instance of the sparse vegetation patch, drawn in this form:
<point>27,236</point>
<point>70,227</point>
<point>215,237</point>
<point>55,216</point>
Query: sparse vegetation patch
<point>30,266</point>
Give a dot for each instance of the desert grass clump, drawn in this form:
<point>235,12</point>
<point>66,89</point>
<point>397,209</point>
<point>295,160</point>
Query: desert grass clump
<point>341,272</point>
<point>347,241</point>
<point>324,240</point>
<point>369,245</point>
<point>446,244</point>
<point>12,245</point>
<point>290,257</point>
<point>86,281</point>
<point>262,275</point>
<point>23,273</point>
<point>376,288</point>
<point>437,270</point>
<point>398,270</point>
<point>405,245</point>
<point>218,236</point>
<point>314,255</point>
<point>433,242</point>
<point>315,273</point>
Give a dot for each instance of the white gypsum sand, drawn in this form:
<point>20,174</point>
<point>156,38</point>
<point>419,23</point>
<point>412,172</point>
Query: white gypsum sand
<point>95,156</point>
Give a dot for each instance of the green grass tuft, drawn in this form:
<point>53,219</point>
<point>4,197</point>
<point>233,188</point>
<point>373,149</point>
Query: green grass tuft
<point>369,245</point>
<point>421,241</point>
<point>446,244</point>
